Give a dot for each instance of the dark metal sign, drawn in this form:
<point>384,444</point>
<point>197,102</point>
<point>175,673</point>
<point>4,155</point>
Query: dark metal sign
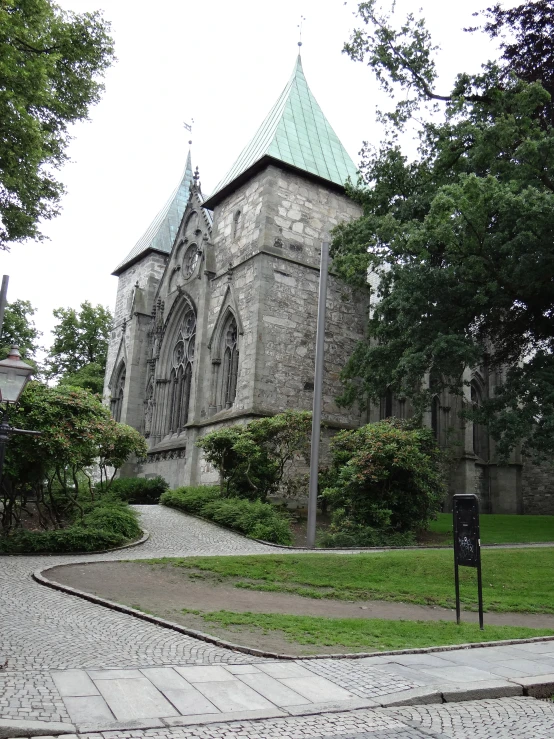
<point>467,544</point>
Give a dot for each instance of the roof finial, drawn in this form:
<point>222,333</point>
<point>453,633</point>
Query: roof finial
<point>302,19</point>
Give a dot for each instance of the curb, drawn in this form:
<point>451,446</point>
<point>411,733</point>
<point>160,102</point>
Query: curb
<point>40,578</point>
<point>534,688</point>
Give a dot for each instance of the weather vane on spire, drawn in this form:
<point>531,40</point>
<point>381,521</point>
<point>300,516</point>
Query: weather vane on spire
<point>188,127</point>
<point>302,19</point>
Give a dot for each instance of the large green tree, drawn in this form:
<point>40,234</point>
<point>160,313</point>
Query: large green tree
<point>78,354</point>
<point>460,239</point>
<point>51,65</point>
<point>19,330</point>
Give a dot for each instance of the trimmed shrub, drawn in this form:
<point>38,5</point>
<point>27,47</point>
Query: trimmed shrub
<point>255,519</point>
<point>257,460</point>
<point>386,479</point>
<point>191,499</point>
<point>138,490</point>
<point>104,526</point>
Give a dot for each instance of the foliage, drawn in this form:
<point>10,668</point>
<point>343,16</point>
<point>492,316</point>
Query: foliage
<point>385,480</point>
<point>89,377</point>
<point>50,69</point>
<point>515,580</point>
<point>459,241</point>
<point>344,532</point>
<point>190,499</point>
<point>104,526</point>
<point>362,634</point>
<point>138,490</point>
<point>255,519</point>
<point>54,470</point>
<point>255,460</point>
<point>78,352</point>
<point>19,330</point>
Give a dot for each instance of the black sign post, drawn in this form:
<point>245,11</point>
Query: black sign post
<point>467,545</point>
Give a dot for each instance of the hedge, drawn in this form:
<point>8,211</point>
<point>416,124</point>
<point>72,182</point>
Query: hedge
<point>138,490</point>
<point>104,526</point>
<point>255,519</point>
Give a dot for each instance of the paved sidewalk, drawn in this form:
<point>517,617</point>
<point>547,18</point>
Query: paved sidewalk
<point>90,669</point>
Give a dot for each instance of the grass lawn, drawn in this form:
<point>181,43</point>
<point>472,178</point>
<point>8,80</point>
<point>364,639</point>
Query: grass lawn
<point>502,529</point>
<point>513,580</point>
<point>368,634</point>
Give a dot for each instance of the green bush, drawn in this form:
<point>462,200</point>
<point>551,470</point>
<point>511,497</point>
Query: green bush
<point>104,526</point>
<point>255,519</point>
<point>347,534</point>
<point>138,490</point>
<point>191,499</point>
<point>384,477</point>
<point>257,460</point>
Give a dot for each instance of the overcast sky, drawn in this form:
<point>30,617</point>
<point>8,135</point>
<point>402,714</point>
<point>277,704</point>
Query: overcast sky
<point>224,64</point>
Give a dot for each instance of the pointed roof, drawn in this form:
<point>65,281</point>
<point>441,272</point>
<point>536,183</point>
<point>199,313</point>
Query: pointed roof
<point>160,235</point>
<point>295,133</point>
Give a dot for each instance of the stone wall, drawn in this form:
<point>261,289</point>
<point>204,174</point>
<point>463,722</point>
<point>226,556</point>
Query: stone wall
<point>537,482</point>
<point>147,273</point>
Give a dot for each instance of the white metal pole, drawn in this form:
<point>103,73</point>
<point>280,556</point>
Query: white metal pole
<point>318,387</point>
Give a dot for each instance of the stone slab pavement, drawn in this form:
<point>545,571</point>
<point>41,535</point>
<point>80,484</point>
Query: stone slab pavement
<point>95,670</point>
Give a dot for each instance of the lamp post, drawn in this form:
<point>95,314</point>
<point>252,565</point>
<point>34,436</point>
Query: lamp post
<point>14,375</point>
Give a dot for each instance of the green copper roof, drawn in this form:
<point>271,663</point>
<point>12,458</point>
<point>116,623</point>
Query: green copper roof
<point>295,132</point>
<point>160,235</point>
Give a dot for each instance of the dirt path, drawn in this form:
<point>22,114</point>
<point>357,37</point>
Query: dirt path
<point>165,591</point>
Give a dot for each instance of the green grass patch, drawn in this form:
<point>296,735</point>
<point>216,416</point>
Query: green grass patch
<point>516,580</point>
<point>369,634</point>
<point>502,529</point>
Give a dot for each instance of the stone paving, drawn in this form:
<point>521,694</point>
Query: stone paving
<point>73,661</point>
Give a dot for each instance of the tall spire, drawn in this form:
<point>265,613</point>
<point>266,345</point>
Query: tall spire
<point>160,235</point>
<point>296,133</point>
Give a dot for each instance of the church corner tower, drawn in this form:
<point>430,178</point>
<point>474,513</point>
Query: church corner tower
<point>138,278</point>
<point>221,326</point>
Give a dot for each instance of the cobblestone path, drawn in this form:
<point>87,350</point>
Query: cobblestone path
<point>42,630</point>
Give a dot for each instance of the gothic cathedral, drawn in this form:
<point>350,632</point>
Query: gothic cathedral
<point>216,309</point>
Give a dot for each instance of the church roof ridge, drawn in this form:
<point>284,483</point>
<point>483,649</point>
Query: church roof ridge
<point>160,234</point>
<point>297,133</point>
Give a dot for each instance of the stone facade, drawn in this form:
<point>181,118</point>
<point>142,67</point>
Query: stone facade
<point>259,268</point>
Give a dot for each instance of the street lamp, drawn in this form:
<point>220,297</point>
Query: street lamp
<point>14,375</point>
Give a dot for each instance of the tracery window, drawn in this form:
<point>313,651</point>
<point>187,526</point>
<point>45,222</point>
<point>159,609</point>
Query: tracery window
<point>190,261</point>
<point>230,362</point>
<point>118,392</point>
<point>180,377</point>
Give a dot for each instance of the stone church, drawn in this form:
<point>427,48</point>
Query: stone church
<point>216,309</point>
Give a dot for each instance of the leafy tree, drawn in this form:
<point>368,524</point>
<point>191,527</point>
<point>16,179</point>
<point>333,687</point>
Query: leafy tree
<point>385,479</point>
<point>78,354</point>
<point>51,63</point>
<point>459,240</point>
<point>257,460</point>
<point>55,468</point>
<point>19,330</point>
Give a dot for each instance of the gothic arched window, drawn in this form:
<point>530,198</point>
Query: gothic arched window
<point>480,445</point>
<point>435,417</point>
<point>118,391</point>
<point>386,405</point>
<point>230,363</point>
<point>180,377</point>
